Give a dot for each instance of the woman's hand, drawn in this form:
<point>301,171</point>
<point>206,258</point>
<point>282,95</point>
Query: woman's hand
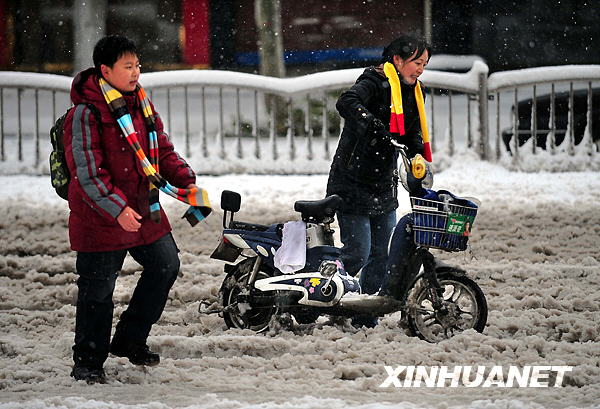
<point>380,130</point>
<point>128,220</point>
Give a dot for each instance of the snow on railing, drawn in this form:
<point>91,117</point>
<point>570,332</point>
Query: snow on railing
<point>229,121</point>
<point>51,82</point>
<point>505,80</point>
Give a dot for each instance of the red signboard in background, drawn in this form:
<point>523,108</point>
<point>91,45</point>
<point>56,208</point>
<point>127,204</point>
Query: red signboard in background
<point>196,45</point>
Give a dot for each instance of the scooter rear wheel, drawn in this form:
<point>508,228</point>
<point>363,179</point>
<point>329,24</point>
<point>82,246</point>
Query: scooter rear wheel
<point>464,308</point>
<point>239,312</point>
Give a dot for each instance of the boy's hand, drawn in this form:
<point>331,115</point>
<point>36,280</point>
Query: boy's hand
<point>128,220</point>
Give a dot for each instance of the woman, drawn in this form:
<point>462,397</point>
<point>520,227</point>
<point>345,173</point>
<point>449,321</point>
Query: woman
<point>364,168</point>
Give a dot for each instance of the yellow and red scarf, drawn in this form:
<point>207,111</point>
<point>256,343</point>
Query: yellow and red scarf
<point>397,116</point>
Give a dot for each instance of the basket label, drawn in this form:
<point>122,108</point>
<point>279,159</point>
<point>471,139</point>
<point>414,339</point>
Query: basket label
<point>459,224</point>
<point>425,208</point>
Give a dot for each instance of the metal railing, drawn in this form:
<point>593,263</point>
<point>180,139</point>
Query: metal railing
<point>19,83</point>
<point>239,119</point>
<point>534,86</point>
<point>235,116</point>
<point>315,92</point>
<point>252,97</point>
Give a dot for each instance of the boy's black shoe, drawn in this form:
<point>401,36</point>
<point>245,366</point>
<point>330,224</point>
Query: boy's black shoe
<point>138,354</point>
<point>90,375</point>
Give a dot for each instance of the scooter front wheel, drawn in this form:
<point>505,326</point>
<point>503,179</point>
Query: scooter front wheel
<point>463,307</point>
<point>239,307</point>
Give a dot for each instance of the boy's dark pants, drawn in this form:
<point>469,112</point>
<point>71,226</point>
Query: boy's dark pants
<point>98,272</point>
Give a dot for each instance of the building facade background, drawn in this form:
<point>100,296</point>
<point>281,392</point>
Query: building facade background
<point>317,35</point>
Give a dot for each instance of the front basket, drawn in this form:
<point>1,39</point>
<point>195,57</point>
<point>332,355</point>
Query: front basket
<point>442,225</point>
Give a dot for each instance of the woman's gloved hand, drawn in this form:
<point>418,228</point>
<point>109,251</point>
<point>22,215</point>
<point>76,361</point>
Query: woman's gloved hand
<point>381,132</point>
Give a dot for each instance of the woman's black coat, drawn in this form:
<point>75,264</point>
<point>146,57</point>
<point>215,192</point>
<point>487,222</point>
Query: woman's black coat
<point>364,168</point>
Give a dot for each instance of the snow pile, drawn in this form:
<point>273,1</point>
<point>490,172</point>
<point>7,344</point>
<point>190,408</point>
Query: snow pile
<point>533,250</point>
<point>584,157</point>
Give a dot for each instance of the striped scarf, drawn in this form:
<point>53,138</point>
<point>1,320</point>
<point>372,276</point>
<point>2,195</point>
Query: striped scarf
<point>397,117</point>
<point>196,197</point>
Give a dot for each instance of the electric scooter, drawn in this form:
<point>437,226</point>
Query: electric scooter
<point>440,300</point>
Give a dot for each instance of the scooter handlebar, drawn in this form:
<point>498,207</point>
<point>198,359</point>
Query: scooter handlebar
<point>403,151</point>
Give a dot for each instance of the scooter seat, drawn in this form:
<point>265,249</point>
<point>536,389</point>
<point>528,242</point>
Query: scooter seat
<point>317,211</point>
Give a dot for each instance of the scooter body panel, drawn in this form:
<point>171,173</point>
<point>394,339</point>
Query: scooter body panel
<point>316,290</point>
<point>263,243</point>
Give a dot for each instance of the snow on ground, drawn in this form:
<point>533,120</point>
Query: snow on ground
<point>534,251</point>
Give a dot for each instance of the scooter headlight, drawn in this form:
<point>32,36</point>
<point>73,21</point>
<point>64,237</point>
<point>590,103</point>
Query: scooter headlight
<point>416,173</point>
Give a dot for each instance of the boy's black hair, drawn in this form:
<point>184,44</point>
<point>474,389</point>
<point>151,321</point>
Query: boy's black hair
<point>404,46</point>
<point>110,48</point>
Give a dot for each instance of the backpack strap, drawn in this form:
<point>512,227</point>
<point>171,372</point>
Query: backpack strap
<point>59,172</point>
<point>96,112</point>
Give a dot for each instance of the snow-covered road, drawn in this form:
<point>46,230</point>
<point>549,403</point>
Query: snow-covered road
<point>534,251</point>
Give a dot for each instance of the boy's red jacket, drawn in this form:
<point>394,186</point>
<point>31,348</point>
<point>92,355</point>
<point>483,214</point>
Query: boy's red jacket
<point>106,175</point>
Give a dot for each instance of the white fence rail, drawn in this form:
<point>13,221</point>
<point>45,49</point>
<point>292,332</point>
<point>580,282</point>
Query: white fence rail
<point>557,104</point>
<point>234,122</point>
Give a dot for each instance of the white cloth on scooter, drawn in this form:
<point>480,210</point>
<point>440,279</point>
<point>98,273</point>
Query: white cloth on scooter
<point>291,256</point>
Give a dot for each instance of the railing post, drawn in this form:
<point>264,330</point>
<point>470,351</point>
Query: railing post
<point>516,126</point>
<point>498,133</point>
<point>204,128</point>
<point>534,127</point>
<point>325,129</point>
<point>2,147</point>
<point>19,126</point>
<point>432,121</point>
<point>170,128</point>
<point>255,132</point>
<point>450,125</point>
<point>571,121</point>
<point>37,127</point>
<point>590,135</point>
<point>484,142</point>
<point>188,153</point>
<point>238,125</point>
<point>272,131</point>
<point>222,154</point>
<point>552,133</point>
<point>469,135</point>
<point>308,131</point>
<point>290,134</point>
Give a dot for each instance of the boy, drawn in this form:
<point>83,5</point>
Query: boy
<point>114,209</point>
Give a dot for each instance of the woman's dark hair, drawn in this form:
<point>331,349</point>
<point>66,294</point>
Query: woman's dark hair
<point>405,46</point>
<point>110,48</point>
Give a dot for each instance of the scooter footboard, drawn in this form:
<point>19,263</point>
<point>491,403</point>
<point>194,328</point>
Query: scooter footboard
<point>370,304</point>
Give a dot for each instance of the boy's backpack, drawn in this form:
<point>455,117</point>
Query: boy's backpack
<point>59,172</point>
